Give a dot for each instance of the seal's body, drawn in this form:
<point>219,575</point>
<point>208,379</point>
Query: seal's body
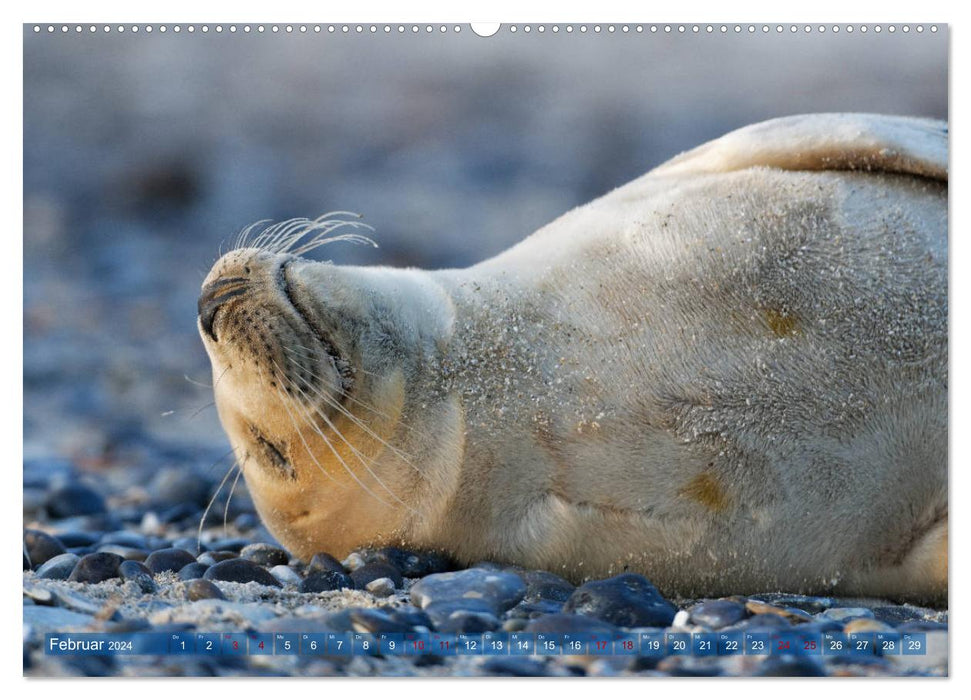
<point>729,375</point>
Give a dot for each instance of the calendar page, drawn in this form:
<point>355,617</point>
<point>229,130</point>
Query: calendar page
<point>451,350</point>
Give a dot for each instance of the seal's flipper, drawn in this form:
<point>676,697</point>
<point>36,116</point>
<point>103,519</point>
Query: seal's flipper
<point>864,142</point>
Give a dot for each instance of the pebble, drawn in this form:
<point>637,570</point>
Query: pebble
<point>628,600</point>
<point>216,556</point>
<point>325,562</point>
<point>265,554</point>
<point>353,561</point>
<point>567,623</point>
<point>793,615</point>
<point>846,614</point>
<point>201,589</point>
<point>320,581</point>
<point>76,538</point>
<point>715,614</point>
<point>285,575</point>
<point>73,499</point>
<point>139,574</point>
<point>489,591</point>
<point>240,571</point>
<point>542,585</point>
<point>767,621</point>
<point>411,564</point>
<point>229,544</point>
<point>59,567</point>
<point>193,571</point>
<point>95,568</point>
<point>380,587</point>
<point>363,575</point>
<point>863,624</point>
<point>174,486</point>
<point>40,547</point>
<point>170,559</point>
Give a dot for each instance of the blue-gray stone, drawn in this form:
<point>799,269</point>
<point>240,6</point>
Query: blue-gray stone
<point>716,614</point>
<point>170,559</point>
<point>193,571</point>
<point>95,568</point>
<point>488,591</point>
<point>139,574</point>
<point>320,581</point>
<point>201,589</point>
<point>240,571</point>
<point>265,554</point>
<point>73,499</point>
<point>363,575</point>
<point>41,547</point>
<point>628,600</point>
<point>59,567</point>
<point>325,562</point>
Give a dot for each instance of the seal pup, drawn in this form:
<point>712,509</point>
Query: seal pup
<point>729,374</point>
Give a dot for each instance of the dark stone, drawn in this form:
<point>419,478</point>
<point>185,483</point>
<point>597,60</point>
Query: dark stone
<point>39,547</point>
<point>201,589</point>
<point>441,613</point>
<point>177,486</point>
<point>176,513</point>
<point>59,567</point>
<point>410,616</point>
<point>171,559</point>
<point>73,499</point>
<point>514,666</point>
<point>95,568</point>
<point>139,574</point>
<point>362,576</point>
<point>193,571</point>
<point>211,558</point>
<point>767,621</point>
<point>411,564</point>
<point>542,585</point>
<point>715,614</point>
<point>320,581</point>
<point>628,600</point>
<point>494,591</point>
<point>325,562</point>
<point>265,554</point>
<point>240,571</point>
<point>563,623</point>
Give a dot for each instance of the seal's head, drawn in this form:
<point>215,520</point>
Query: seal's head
<point>316,370</point>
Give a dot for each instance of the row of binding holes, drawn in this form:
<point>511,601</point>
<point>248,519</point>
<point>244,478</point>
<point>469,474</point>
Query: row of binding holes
<point>443,29</point>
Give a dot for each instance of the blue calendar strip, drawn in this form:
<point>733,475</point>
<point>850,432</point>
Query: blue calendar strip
<point>656,644</point>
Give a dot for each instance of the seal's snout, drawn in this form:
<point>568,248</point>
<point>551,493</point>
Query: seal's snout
<point>213,296</point>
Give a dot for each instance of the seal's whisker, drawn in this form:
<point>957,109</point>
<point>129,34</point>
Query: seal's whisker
<point>205,513</point>
<point>197,382</point>
<point>232,490</point>
<point>357,421</point>
<point>351,447</point>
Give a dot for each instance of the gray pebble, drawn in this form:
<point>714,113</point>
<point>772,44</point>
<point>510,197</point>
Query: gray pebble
<point>95,568</point>
<point>466,622</point>
<point>40,547</point>
<point>240,571</point>
<point>409,563</point>
<point>376,622</point>
<point>193,571</point>
<point>542,585</point>
<point>285,575</point>
<point>170,559</point>
<point>139,574</point>
<point>320,581</point>
<point>229,544</point>
<point>127,539</point>
<point>189,544</point>
<point>380,587</point>
<point>59,567</point>
<point>715,614</point>
<point>78,538</point>
<point>201,589</point>
<point>492,591</point>
<point>363,575</point>
<point>353,561</point>
<point>265,554</point>
<point>325,562</point>
<point>565,623</point>
<point>628,600</point>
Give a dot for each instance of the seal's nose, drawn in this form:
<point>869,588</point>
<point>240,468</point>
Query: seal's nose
<point>215,295</point>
